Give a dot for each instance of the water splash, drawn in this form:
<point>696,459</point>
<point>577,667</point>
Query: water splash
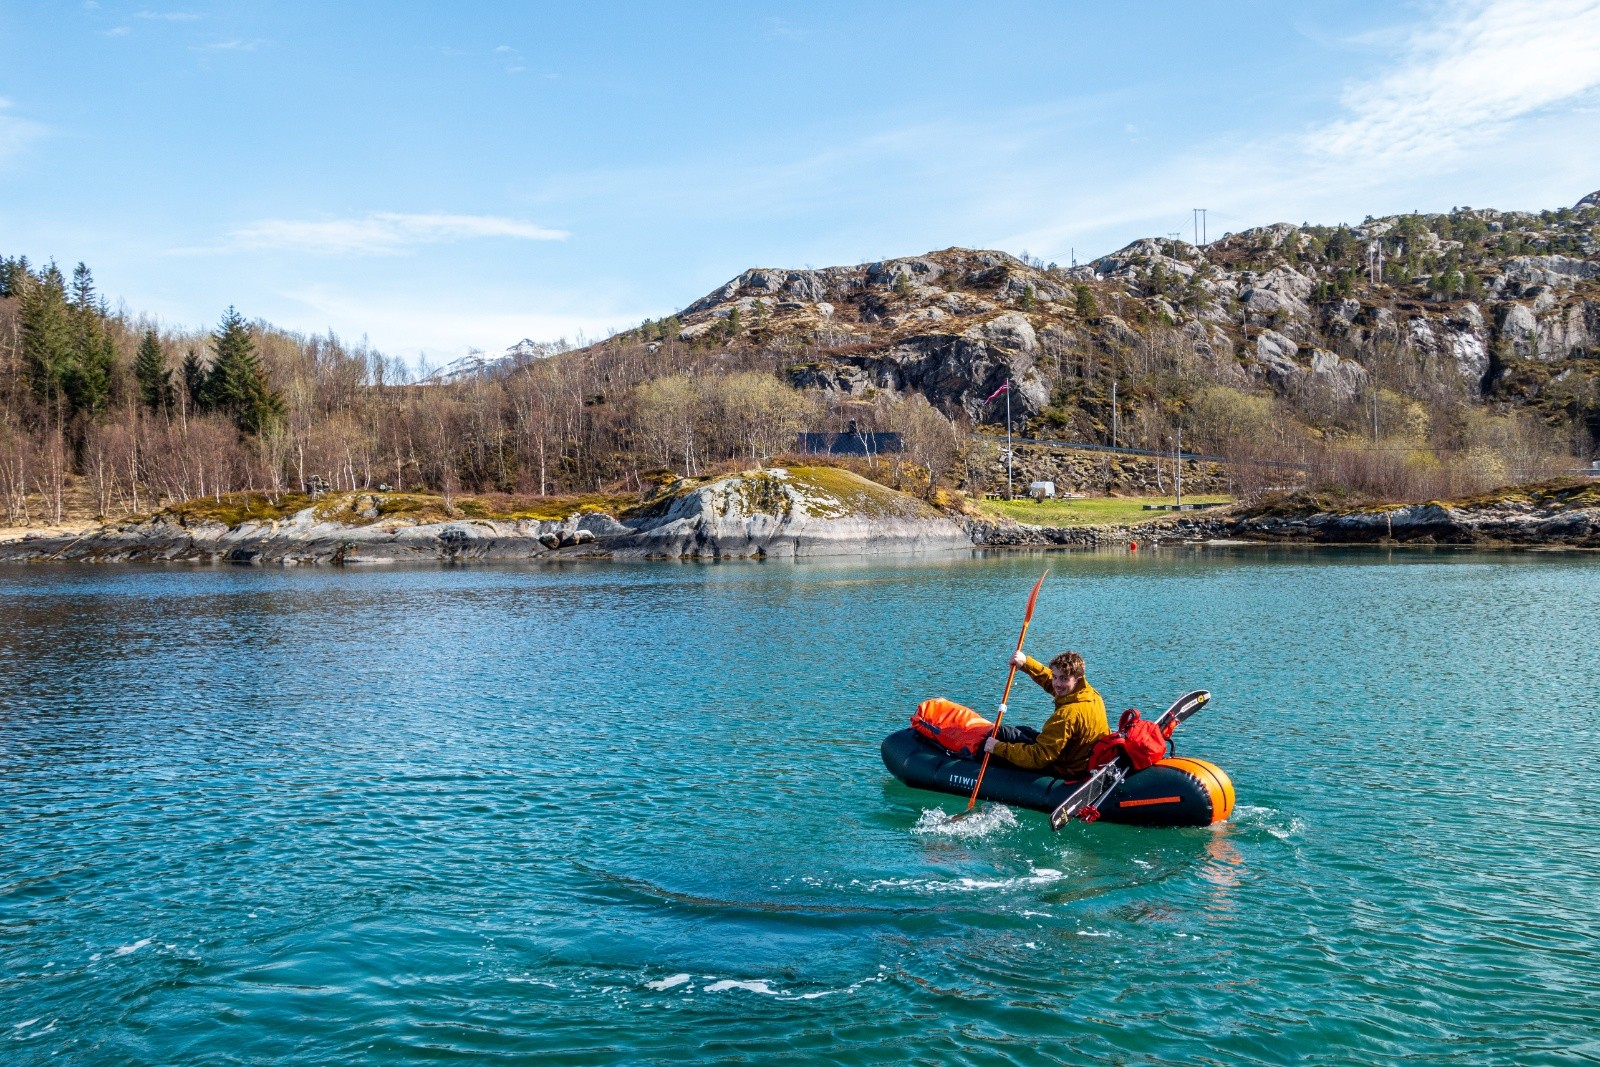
<point>1279,824</point>
<point>983,823</point>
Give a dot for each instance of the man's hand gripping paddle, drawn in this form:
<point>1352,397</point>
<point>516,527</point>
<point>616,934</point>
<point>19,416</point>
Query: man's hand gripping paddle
<point>1033,598</point>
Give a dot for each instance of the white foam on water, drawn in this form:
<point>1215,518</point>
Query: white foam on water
<point>758,986</point>
<point>851,988</point>
<point>525,980</point>
<point>982,823</point>
<point>762,986</point>
<point>19,1026</point>
<point>1094,933</point>
<point>135,947</point>
<point>1039,876</point>
<point>1270,820</point>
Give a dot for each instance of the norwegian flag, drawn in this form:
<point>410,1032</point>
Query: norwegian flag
<point>1006,388</point>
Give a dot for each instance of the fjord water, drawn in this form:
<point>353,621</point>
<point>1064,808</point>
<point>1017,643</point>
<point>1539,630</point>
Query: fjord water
<point>635,814</point>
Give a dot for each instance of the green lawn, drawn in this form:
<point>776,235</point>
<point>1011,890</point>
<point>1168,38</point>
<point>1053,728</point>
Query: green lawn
<point>1088,511</point>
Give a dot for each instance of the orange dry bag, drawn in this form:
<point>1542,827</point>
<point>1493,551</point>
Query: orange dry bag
<point>959,731</point>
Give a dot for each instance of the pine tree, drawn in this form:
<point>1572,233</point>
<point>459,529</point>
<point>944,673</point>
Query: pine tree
<point>150,368</point>
<point>193,374</point>
<point>46,334</point>
<point>94,360</point>
<point>236,383</point>
<point>82,288</point>
<point>87,379</point>
<point>1084,299</point>
<point>14,276</point>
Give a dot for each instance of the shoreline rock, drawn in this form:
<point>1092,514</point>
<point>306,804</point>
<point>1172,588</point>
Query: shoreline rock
<point>759,514</point>
<point>788,514</point>
<point>1555,515</point>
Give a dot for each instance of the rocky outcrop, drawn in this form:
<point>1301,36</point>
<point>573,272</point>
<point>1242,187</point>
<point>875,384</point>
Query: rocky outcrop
<point>1557,515</point>
<point>804,511</point>
<point>954,369</point>
<point>786,513</point>
<point>1550,515</point>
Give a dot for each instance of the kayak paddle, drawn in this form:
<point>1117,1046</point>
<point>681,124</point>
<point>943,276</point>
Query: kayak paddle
<point>1010,677</point>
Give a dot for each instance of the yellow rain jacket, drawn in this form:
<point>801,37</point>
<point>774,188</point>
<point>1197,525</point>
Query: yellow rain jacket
<point>1068,736</point>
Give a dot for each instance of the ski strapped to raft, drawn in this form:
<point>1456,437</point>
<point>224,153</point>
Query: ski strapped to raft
<point>1085,800</point>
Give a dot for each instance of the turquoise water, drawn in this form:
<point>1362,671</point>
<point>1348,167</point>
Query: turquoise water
<point>635,814</point>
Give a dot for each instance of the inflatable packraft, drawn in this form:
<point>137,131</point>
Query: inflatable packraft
<point>1177,791</point>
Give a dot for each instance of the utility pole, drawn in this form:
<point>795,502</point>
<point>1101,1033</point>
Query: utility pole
<point>1010,493</point>
<point>1177,477</point>
<point>1205,236</point>
<point>1114,420</point>
<point>1374,412</point>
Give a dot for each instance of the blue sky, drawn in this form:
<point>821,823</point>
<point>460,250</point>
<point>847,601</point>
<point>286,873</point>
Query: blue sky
<point>441,177</point>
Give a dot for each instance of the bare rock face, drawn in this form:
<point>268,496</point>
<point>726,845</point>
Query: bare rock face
<point>1520,330</point>
<point>1274,360</point>
<point>781,512</point>
<point>954,369</point>
<point>1526,273</point>
<point>1280,291</point>
<point>1344,378</point>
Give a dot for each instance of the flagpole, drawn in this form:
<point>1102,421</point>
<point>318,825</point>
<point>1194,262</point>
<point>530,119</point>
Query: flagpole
<point>1010,493</point>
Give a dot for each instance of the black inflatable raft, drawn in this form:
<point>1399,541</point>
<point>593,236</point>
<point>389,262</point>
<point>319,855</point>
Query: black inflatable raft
<point>1178,791</point>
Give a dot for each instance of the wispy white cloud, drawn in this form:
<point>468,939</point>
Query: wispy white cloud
<point>234,45</point>
<point>168,16</point>
<point>1464,79</point>
<point>117,31</point>
<point>1464,100</point>
<point>778,28</point>
<point>382,233</point>
<point>446,326</point>
<point>17,134</point>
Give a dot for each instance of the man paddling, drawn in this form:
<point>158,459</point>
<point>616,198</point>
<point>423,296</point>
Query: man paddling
<point>1063,745</point>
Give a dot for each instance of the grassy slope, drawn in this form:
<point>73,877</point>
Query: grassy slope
<point>235,508</point>
<point>1086,511</point>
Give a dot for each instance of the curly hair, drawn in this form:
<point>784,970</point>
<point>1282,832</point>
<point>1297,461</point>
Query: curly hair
<point>1068,663</point>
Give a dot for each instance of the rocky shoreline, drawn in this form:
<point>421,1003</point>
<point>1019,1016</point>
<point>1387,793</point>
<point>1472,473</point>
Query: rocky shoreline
<point>770,513</point>
<point>787,514</point>
<point>1556,515</point>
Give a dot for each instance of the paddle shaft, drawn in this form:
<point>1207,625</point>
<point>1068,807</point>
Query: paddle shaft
<point>1005,699</point>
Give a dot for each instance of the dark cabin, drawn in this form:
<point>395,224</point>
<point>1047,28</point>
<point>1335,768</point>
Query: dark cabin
<point>852,442</point>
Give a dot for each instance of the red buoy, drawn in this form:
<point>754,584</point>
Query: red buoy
<point>1133,546</point>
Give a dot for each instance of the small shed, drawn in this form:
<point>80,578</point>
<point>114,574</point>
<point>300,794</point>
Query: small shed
<point>1042,490</point>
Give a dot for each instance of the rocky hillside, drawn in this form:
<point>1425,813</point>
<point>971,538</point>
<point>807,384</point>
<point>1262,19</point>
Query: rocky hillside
<point>1500,306</point>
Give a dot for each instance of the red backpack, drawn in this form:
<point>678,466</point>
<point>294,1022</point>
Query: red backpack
<point>959,731</point>
<point>1143,741</point>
